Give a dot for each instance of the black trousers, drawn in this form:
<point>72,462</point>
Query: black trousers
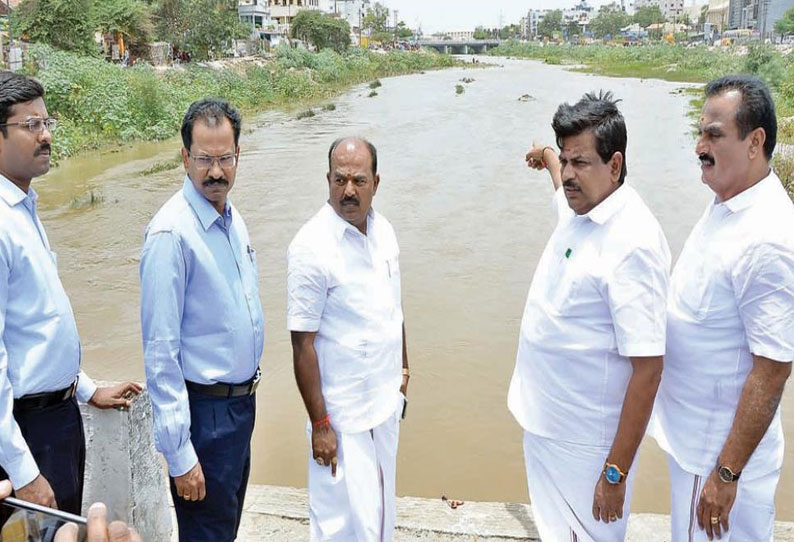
<point>56,439</point>
<point>220,431</point>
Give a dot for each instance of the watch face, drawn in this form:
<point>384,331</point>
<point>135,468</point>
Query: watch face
<point>725,474</point>
<point>612,474</point>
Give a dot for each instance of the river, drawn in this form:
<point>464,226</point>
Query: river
<point>471,219</point>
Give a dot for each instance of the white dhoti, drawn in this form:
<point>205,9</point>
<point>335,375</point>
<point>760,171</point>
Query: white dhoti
<point>752,517</point>
<point>358,505</point>
<point>562,477</point>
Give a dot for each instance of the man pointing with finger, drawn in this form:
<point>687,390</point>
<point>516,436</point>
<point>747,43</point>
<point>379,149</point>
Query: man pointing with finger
<point>348,342</point>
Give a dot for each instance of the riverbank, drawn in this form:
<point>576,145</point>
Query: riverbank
<point>101,104</point>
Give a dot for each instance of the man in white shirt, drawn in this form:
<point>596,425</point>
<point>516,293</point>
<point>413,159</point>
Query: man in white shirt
<point>730,335</point>
<point>348,340</point>
<point>593,332</point>
<point>42,445</point>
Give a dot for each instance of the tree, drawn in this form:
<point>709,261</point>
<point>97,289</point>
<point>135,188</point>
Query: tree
<point>480,33</point>
<point>573,28</point>
<point>785,25</point>
<point>550,24</point>
<point>130,19</point>
<point>648,15</point>
<point>511,31</point>
<point>608,22</point>
<point>64,24</point>
<point>702,18</point>
<point>321,30</point>
<point>377,19</point>
<point>403,32</point>
<point>203,28</point>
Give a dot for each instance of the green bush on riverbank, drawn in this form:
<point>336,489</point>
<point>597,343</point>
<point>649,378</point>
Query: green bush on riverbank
<point>99,103</point>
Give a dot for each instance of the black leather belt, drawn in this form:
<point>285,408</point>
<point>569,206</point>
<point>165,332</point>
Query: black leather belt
<point>43,400</point>
<point>226,390</point>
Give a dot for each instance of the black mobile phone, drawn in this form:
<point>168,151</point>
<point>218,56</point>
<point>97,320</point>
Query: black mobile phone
<point>51,512</point>
<point>405,407</point>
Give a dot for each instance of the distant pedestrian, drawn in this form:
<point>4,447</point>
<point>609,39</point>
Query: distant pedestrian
<point>42,444</point>
<point>203,330</point>
<point>592,336</point>
<point>344,311</point>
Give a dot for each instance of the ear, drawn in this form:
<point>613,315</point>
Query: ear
<point>377,182</point>
<point>757,140</point>
<point>185,159</point>
<point>328,176</point>
<point>616,166</point>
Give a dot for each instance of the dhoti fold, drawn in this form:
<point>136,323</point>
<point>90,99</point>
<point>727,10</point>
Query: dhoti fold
<point>752,517</point>
<point>562,477</point>
<point>358,505</point>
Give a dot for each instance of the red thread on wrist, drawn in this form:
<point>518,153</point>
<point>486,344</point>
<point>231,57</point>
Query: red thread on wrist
<point>325,421</point>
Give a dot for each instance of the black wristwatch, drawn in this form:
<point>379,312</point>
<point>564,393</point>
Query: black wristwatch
<point>727,475</point>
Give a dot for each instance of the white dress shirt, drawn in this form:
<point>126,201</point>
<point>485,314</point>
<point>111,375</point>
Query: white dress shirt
<point>39,346</point>
<point>597,298</point>
<point>200,312</point>
<point>346,286</point>
<point>731,296</point>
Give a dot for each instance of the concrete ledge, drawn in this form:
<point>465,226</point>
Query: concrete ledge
<point>275,513</point>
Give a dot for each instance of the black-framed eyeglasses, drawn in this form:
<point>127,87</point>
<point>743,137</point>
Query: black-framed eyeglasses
<point>36,125</point>
<point>204,161</point>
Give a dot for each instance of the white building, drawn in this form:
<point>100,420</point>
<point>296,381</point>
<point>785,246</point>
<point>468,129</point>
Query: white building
<point>534,16</point>
<point>283,11</point>
<point>463,35</point>
<point>255,13</point>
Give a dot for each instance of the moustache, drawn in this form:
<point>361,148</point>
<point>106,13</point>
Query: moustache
<point>45,147</point>
<point>215,180</point>
<point>350,201</point>
<point>706,159</point>
<point>571,185</point>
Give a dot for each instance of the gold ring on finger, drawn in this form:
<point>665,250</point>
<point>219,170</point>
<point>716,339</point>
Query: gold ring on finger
<point>320,461</point>
<point>613,518</point>
<point>715,520</point>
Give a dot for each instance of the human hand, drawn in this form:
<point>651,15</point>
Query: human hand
<point>38,492</point>
<point>714,505</point>
<point>538,158</point>
<point>191,486</point>
<point>324,446</point>
<point>608,500</point>
<point>5,489</point>
<point>118,396</point>
<point>98,530</point>
<point>404,385</point>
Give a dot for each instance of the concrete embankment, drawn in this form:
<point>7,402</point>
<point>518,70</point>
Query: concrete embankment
<point>124,471</point>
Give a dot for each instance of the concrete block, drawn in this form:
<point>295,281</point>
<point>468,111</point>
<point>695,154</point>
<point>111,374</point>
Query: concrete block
<point>123,469</point>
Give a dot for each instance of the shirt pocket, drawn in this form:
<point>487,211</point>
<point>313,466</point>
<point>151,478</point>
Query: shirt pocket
<point>696,292</point>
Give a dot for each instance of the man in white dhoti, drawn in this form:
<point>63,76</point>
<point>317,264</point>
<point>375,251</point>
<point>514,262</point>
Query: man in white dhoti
<point>730,335</point>
<point>593,333</point>
<point>345,314</point>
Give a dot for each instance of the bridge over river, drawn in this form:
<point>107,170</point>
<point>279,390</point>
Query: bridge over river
<point>460,47</point>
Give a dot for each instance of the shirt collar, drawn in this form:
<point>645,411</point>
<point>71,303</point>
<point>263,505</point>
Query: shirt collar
<point>12,194</point>
<point>747,198</point>
<point>613,203</point>
<point>340,225</point>
<point>207,214</point>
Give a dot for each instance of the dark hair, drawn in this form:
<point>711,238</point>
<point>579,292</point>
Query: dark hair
<point>373,152</point>
<point>16,88</point>
<point>211,110</point>
<point>600,114</point>
<point>757,109</point>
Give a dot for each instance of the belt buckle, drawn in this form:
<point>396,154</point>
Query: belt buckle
<point>255,383</point>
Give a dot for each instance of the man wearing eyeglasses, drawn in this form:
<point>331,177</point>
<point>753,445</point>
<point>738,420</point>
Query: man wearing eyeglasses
<point>42,445</point>
<point>203,330</point>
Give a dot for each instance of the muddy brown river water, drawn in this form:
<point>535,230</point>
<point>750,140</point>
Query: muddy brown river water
<point>471,219</point>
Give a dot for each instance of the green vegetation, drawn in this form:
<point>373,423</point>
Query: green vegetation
<point>100,104</point>
<point>608,22</point>
<point>785,25</point>
<point>305,114</point>
<point>89,199</point>
<point>321,30</point>
<point>372,94</point>
<point>459,89</point>
<point>159,167</point>
<point>550,24</point>
<point>375,84</point>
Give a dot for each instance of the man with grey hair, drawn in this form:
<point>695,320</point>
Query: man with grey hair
<point>348,339</point>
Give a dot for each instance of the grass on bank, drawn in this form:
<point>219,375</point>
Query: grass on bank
<point>100,104</point>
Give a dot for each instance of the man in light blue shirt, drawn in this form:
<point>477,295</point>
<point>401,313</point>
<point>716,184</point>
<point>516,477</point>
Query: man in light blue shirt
<point>42,446</point>
<point>203,330</point>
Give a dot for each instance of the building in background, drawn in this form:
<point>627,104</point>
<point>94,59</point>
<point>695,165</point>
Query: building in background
<point>283,11</point>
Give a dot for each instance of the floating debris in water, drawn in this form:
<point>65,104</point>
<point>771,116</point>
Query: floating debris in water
<point>459,89</point>
<point>452,503</point>
<point>305,114</point>
<point>329,107</point>
<point>372,94</point>
<point>376,84</point>
<point>467,80</point>
<point>526,98</point>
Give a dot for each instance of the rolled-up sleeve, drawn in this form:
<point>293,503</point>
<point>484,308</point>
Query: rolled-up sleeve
<point>86,387</point>
<point>306,289</point>
<point>637,297</point>
<point>163,280</point>
<point>764,287</point>
<point>15,456</point>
